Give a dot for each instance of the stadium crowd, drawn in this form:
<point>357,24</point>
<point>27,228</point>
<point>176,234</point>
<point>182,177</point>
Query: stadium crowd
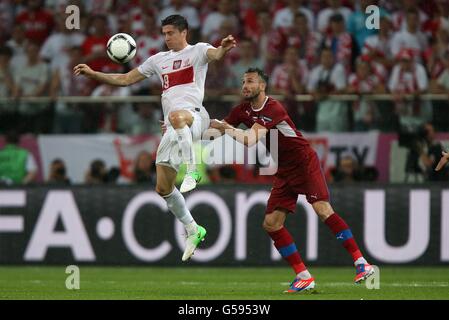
<point>316,47</point>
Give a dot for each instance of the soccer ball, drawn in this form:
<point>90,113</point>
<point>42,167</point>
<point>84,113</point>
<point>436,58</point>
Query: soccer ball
<point>121,48</point>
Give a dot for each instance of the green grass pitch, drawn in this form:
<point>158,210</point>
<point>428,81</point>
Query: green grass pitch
<point>191,283</point>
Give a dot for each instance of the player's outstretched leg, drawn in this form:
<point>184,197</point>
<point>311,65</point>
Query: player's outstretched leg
<point>344,235</point>
<point>283,241</point>
<point>176,203</point>
<point>181,120</point>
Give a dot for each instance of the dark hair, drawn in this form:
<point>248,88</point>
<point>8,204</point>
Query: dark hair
<point>326,48</point>
<point>260,72</point>
<point>176,20</point>
<point>299,14</point>
<point>337,18</point>
<point>96,167</point>
<point>412,11</point>
<point>6,51</point>
<point>57,161</point>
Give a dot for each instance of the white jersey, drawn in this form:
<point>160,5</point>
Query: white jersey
<point>182,75</point>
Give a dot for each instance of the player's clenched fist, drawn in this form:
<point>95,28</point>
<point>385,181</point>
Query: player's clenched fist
<point>444,159</point>
<point>83,69</point>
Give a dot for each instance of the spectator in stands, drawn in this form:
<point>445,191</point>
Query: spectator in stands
<point>143,168</point>
<point>305,40</point>
<point>58,44</point>
<point>226,28</point>
<point>439,19</point>
<point>219,79</point>
<point>441,84</point>
<point>249,11</point>
<point>94,46</point>
<point>378,69</point>
<point>7,110</point>
<point>214,20</point>
<point>364,81</point>
<point>37,21</point>
<point>340,42</point>
<point>145,120</point>
<point>18,44</point>
<point>349,171</point>
<point>356,24</point>
<point>97,173</point>
<point>248,57</point>
<point>329,78</point>
<point>17,165</point>
<point>346,171</point>
<point>400,17</point>
<point>434,55</point>
<point>6,19</point>
<point>6,79</point>
<point>284,18</point>
<point>107,116</point>
<point>334,7</point>
<point>150,42</point>
<point>431,150</point>
<point>190,13</point>
<point>68,117</point>
<point>409,77</point>
<point>58,173</point>
<point>32,80</point>
<point>379,46</point>
<point>290,77</point>
<point>271,42</point>
<point>410,37</point>
<point>132,14</point>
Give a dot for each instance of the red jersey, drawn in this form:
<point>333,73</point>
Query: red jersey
<point>94,44</point>
<point>272,115</point>
<point>38,25</point>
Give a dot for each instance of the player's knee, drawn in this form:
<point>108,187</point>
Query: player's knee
<point>177,120</point>
<point>271,225</point>
<point>323,209</point>
<point>163,190</point>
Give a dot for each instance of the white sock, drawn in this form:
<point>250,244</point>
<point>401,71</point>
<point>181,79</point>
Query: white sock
<point>360,260</point>
<point>177,205</point>
<point>185,143</point>
<point>303,275</point>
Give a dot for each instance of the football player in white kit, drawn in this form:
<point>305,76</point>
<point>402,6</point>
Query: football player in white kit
<point>182,72</point>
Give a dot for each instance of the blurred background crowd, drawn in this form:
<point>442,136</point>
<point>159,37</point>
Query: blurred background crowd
<point>316,47</point>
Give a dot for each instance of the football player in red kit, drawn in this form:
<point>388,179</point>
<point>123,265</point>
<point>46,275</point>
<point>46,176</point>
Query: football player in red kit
<point>299,172</point>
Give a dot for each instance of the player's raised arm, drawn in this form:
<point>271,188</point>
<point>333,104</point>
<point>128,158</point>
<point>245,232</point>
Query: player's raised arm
<point>248,137</point>
<point>114,79</point>
<point>226,44</point>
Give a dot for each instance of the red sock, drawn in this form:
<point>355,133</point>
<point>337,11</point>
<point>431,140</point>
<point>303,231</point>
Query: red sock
<point>344,235</point>
<point>283,241</point>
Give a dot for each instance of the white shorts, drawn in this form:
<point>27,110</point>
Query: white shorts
<point>168,153</point>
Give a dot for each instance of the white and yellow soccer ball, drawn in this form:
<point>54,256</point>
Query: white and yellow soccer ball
<point>121,48</point>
